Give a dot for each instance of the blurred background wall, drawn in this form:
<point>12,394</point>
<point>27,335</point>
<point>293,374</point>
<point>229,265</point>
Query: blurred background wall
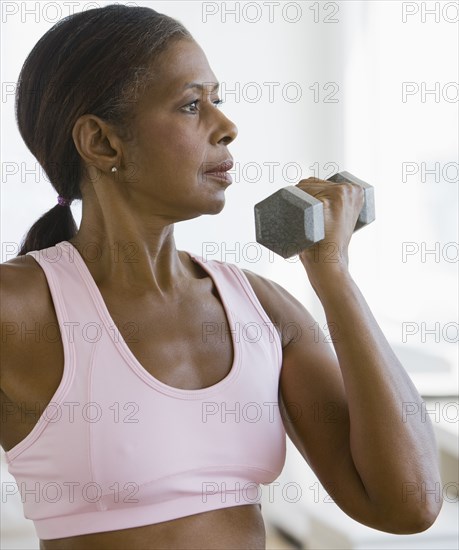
<point>314,88</point>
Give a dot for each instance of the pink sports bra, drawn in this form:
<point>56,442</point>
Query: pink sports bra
<point>90,465</point>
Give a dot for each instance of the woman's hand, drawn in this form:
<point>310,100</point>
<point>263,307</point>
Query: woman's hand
<point>342,203</point>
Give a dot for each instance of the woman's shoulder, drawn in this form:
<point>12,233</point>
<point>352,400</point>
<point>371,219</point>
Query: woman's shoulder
<point>24,301</point>
<point>22,283</point>
<point>275,300</point>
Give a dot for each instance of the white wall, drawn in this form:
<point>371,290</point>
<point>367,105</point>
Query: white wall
<point>386,136</point>
<point>366,53</point>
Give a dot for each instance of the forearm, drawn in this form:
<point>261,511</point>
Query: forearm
<point>394,455</point>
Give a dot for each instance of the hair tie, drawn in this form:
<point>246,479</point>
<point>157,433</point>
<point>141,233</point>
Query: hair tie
<point>64,202</point>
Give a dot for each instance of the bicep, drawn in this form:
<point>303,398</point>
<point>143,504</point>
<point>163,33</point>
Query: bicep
<point>312,395</point>
<point>315,413</point>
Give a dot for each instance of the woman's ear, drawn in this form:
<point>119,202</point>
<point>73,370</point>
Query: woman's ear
<point>97,143</point>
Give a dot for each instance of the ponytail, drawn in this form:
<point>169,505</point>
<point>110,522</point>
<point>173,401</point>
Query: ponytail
<point>54,226</point>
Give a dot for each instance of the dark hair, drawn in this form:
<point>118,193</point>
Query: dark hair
<point>96,61</point>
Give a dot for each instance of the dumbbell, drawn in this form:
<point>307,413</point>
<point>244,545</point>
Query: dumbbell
<point>290,220</point>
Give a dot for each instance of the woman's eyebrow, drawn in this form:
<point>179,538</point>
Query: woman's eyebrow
<point>202,87</point>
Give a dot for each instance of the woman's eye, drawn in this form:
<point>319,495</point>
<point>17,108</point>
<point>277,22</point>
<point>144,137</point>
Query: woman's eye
<point>194,105</point>
<point>195,102</point>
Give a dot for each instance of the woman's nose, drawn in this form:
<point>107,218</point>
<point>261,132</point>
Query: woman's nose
<point>227,131</point>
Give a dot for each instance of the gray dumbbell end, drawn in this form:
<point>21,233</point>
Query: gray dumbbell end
<point>289,221</point>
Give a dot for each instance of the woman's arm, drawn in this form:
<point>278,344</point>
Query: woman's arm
<point>379,466</point>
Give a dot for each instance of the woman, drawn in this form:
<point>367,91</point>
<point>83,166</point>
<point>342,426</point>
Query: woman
<point>143,445</point>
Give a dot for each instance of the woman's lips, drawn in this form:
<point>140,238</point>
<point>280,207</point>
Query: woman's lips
<point>222,167</point>
<point>220,171</point>
<point>222,176</point>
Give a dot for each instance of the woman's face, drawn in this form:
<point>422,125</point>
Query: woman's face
<point>178,133</point>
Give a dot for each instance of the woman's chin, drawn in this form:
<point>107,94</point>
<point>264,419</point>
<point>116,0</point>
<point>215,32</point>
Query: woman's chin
<point>219,205</point>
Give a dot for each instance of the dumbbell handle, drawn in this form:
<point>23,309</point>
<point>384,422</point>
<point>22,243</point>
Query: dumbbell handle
<point>282,217</point>
<point>367,213</point>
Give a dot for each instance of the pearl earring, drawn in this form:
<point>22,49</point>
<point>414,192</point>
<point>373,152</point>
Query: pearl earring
<point>114,169</point>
